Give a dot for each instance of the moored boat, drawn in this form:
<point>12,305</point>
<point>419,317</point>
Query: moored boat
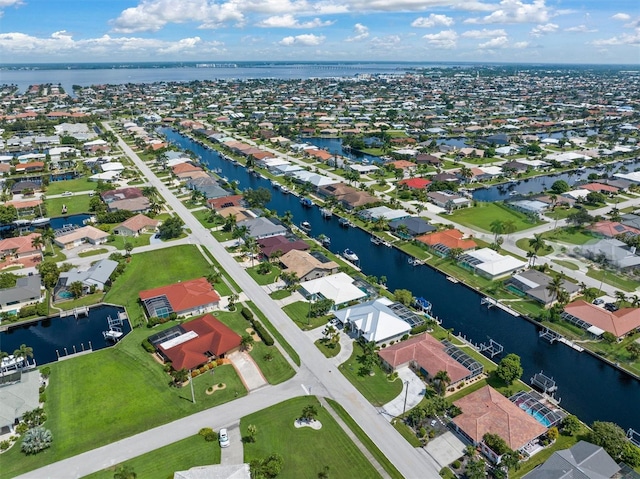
<point>350,255</point>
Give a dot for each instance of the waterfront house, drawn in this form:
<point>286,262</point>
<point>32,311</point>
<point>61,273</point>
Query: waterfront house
<point>26,207</point>
<point>596,320</point>
<point>488,411</point>
<point>86,234</point>
<point>339,288</point>
<point>283,244</point>
<point>136,225</point>
<point>582,460</point>
<point>427,355</point>
<point>225,202</point>
<point>196,342</point>
<point>415,183</point>
<point>20,247</point>
<point>533,284</point>
<point>307,265</point>
<point>448,200</point>
<point>196,296</point>
<point>262,227</point>
<point>414,226</point>
<point>490,264</point>
<point>22,187</point>
<point>374,321</point>
<point>611,229</point>
<point>349,196</point>
<point>443,241</point>
<point>17,398</point>
<point>26,291</point>
<point>384,212</point>
<point>121,194</point>
<point>97,276</point>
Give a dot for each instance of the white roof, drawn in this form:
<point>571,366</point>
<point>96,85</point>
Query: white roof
<point>374,320</point>
<point>533,163</point>
<point>384,212</point>
<point>112,166</point>
<point>314,178</point>
<point>274,162</point>
<point>107,176</point>
<point>95,143</point>
<point>633,176</point>
<point>494,263</point>
<point>177,161</point>
<point>363,168</point>
<point>337,287</point>
<point>575,194</point>
<point>568,157</point>
<point>491,170</point>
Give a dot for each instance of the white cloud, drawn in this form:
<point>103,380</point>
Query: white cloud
<point>623,17</point>
<point>432,21</point>
<point>544,29</point>
<point>446,39</point>
<point>498,42</point>
<point>360,33</point>
<point>389,41</point>
<point>414,5</point>
<point>516,11</point>
<point>521,45</point>
<point>289,21</point>
<point>306,40</point>
<point>624,39</point>
<point>580,29</point>
<point>484,33</point>
<point>9,3</point>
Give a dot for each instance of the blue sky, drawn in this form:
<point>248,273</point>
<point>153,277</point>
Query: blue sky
<point>545,31</point>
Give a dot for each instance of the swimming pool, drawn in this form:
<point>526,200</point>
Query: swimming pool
<point>538,416</point>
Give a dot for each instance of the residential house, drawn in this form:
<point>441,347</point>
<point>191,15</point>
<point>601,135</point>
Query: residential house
<point>225,202</point>
<point>339,288</point>
<point>533,284</point>
<point>12,250</point>
<point>26,291</point>
<point>384,212</point>
<point>596,320</point>
<point>20,187</point>
<point>616,252</point>
<point>413,226</point>
<point>429,356</point>
<point>208,186</point>
<point>307,265</point>
<point>86,234</point>
<point>443,241</point>
<point>283,244</point>
<point>196,296</point>
<point>611,229</point>
<point>582,460</point>
<point>196,342</point>
<point>349,196</point>
<point>488,411</point>
<point>262,227</point>
<point>17,398</point>
<point>490,264</point>
<point>216,471</point>
<point>374,321</point>
<point>97,276</point>
<point>136,225</point>
<point>26,207</point>
<point>448,200</point>
<point>427,159</point>
<point>415,183</point>
<point>121,194</point>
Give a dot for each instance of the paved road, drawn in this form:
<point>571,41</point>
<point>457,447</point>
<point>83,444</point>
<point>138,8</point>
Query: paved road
<point>316,373</point>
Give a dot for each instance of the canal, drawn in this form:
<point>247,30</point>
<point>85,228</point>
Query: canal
<point>588,387</point>
<point>59,337</point>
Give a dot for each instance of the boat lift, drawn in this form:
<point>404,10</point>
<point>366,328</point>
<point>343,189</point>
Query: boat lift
<point>493,348</point>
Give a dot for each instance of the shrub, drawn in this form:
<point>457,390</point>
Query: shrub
<point>404,337</point>
<point>22,428</point>
<point>204,431</point>
<point>45,371</point>
<point>203,370</point>
<point>4,445</point>
<point>41,389</point>
<point>36,440</point>
<point>43,397</point>
<point>148,347</point>
<point>264,335</point>
<point>456,464</point>
<point>248,315</point>
<point>195,373</point>
<point>419,329</point>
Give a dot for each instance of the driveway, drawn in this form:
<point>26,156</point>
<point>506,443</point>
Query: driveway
<point>247,370</point>
<point>234,454</point>
<point>414,395</point>
<point>445,448</point>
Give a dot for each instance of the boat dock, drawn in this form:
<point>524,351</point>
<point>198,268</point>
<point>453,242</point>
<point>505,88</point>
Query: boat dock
<point>490,302</point>
<point>552,337</point>
<point>80,311</point>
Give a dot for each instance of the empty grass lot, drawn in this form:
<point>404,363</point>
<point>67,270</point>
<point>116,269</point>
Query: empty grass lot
<point>179,456</point>
<point>75,186</point>
<point>263,279</point>
<point>299,311</point>
<point>74,204</point>
<point>482,215</point>
<point>305,451</point>
<point>377,388</point>
<point>111,394</point>
<point>154,269</point>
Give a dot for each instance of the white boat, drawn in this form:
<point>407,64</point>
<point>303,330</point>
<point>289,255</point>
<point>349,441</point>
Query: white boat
<point>21,223</point>
<point>375,240</point>
<point>350,255</point>
<point>513,193</point>
<point>284,189</point>
<point>305,225</point>
<point>325,240</point>
<point>40,221</point>
<point>326,213</point>
<point>114,334</point>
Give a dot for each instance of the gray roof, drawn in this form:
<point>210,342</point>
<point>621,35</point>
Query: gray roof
<point>534,283</point>
<point>208,186</point>
<point>27,288</point>
<point>18,398</point>
<point>631,220</point>
<point>582,461</point>
<point>415,225</point>
<point>262,227</point>
<point>98,273</point>
<point>616,252</point>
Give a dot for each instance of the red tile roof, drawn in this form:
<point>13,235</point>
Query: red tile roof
<point>214,338</point>
<point>611,229</point>
<point>451,238</point>
<point>224,202</point>
<point>617,323</point>
<point>488,411</point>
<point>268,246</point>
<point>185,168</point>
<point>429,353</point>
<point>137,222</point>
<point>19,244</point>
<point>186,295</point>
<point>600,187</point>
<point>415,183</point>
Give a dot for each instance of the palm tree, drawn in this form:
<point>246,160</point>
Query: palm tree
<point>532,258</point>
<point>443,379</point>
<point>497,228</point>
<point>635,300</point>
<point>49,235</point>
<point>620,298</point>
<point>251,247</point>
<point>246,342</point>
<point>37,242</point>
<point>537,243</point>
<point>509,227</point>
<point>24,352</point>
<point>555,286</point>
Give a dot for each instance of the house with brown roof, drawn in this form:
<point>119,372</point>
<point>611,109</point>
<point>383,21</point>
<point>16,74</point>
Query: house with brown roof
<point>601,188</point>
<point>488,411</point>
<point>27,207</point>
<point>403,165</point>
<point>20,250</point>
<point>225,202</point>
<point>349,196</point>
<point>426,354</point>
<point>86,234</point>
<point>136,225</point>
<point>196,296</point>
<point>197,342</point>
<point>284,244</point>
<point>443,241</point>
<point>597,320</point>
<point>29,167</point>
<point>308,265</point>
<point>121,194</point>
<point>427,159</point>
<point>611,229</point>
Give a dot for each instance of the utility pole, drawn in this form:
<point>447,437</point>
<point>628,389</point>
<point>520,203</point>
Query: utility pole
<point>193,395</point>
<point>406,393</point>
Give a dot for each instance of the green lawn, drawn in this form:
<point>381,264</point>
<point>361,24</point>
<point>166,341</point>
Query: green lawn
<point>275,333</point>
<point>93,252</point>
<point>563,442</point>
<point>482,215</point>
<point>567,264</point>
<point>112,394</point>
<point>305,451</point>
<point>275,370</point>
<point>329,350</point>
<point>523,243</point>
<point>280,294</point>
<point>86,300</point>
<point>162,463</point>
<point>118,240</point>
<point>377,388</point>
<point>570,235</point>
<point>613,279</point>
<point>299,311</point>
<point>154,269</point>
<point>79,184</point>
<point>263,279</point>
<point>364,439</point>
<point>74,204</point>
<point>406,432</point>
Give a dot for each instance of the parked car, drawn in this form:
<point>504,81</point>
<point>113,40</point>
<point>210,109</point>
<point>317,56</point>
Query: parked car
<point>611,307</point>
<point>223,438</point>
<point>433,423</point>
<point>67,193</point>
<point>598,301</point>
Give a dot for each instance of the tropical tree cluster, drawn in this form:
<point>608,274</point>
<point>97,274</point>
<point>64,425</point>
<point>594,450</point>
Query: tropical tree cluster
<point>35,440</point>
<point>509,369</point>
<point>267,468</point>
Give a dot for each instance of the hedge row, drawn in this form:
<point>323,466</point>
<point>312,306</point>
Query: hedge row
<point>257,326</point>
